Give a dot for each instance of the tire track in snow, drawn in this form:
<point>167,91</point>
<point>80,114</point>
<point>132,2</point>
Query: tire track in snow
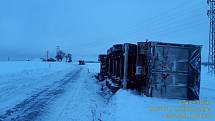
<point>80,104</point>
<point>35,105</point>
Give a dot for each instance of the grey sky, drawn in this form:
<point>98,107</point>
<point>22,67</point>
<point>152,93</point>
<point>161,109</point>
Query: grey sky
<point>88,27</point>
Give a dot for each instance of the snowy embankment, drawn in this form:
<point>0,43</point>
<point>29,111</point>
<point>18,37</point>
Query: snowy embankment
<point>49,92</point>
<point>127,106</point>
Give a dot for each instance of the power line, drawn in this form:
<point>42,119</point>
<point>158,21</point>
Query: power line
<point>167,21</point>
<point>170,19</point>
<point>168,27</point>
<point>170,30</point>
<point>169,14</point>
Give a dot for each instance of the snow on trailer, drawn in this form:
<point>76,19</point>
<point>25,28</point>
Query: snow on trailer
<point>164,70</point>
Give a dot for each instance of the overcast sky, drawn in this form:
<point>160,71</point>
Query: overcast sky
<point>87,28</point>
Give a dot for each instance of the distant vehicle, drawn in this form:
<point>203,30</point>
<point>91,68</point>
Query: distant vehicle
<point>81,62</point>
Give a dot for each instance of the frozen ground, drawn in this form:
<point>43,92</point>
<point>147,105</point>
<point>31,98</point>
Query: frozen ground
<point>68,92</point>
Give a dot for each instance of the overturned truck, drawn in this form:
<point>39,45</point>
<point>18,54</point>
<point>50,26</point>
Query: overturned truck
<point>164,70</point>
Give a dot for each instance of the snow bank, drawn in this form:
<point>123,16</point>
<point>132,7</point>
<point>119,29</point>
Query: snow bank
<point>207,79</point>
<point>125,105</point>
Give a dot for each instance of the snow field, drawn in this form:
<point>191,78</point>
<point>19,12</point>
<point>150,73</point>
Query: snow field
<point>81,100</point>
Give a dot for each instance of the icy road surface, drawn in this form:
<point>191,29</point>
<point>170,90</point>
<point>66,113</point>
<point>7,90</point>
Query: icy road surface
<point>67,95</point>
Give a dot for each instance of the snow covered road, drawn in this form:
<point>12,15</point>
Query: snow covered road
<point>81,102</point>
<point>34,106</point>
<point>72,97</point>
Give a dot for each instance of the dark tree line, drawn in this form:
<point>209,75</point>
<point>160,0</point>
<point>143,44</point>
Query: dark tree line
<point>61,55</point>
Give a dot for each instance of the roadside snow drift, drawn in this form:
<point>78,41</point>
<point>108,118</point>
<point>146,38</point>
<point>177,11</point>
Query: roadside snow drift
<point>126,105</point>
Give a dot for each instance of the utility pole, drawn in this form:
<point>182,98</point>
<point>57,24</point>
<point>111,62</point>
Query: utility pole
<point>211,55</point>
<point>47,55</point>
